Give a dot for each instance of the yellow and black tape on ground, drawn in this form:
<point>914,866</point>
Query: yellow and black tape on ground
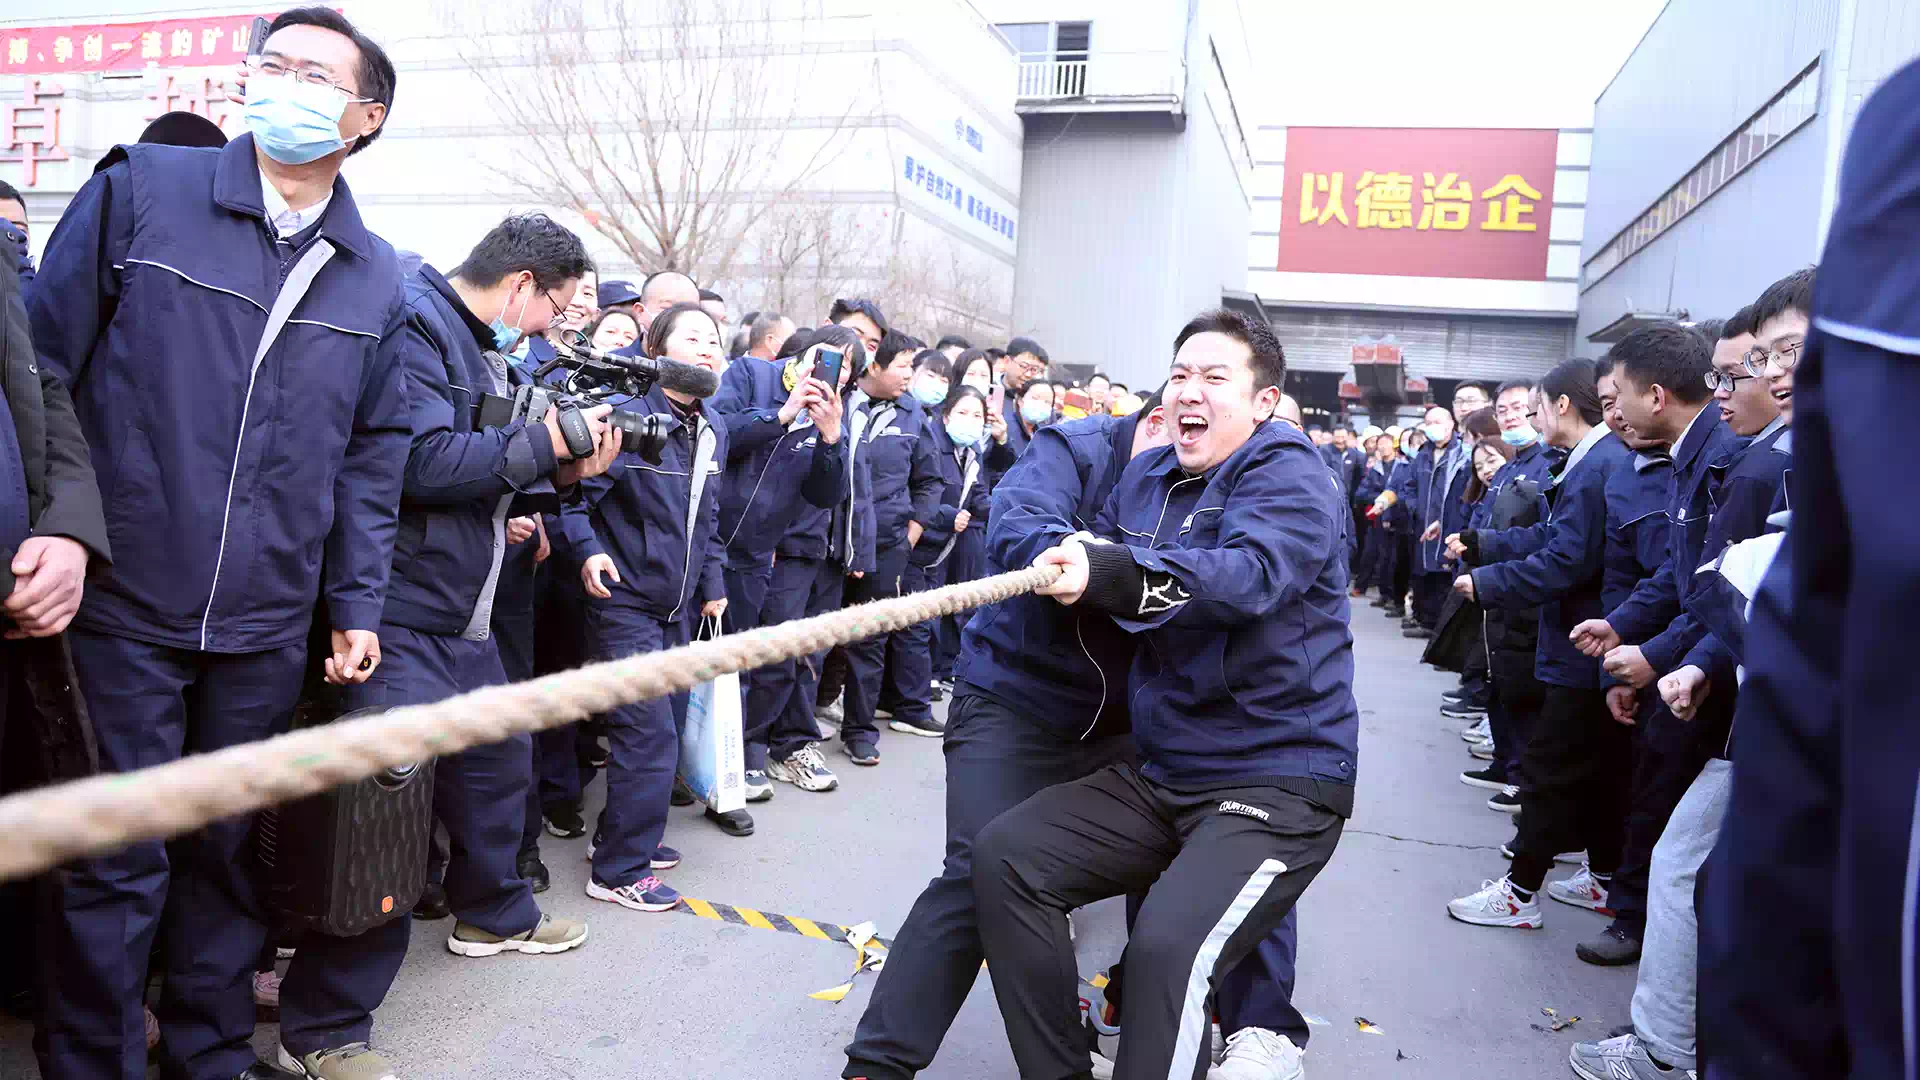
<point>785,924</point>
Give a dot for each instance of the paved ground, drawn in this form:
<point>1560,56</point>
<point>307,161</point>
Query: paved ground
<point>676,996</point>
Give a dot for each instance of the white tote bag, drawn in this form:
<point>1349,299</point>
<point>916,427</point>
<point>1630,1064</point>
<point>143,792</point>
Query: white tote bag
<point>712,754</point>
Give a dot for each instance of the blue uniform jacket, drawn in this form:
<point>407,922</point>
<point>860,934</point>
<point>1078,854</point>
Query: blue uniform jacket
<point>905,478</point>
<point>1373,481</point>
<point>659,523</point>
<point>761,499</point>
<point>1063,668</point>
<point>1653,617</point>
<point>1557,565</point>
<point>844,531</point>
<point>954,496</point>
<point>461,483</point>
<point>1637,525</point>
<point>227,473</point>
<point>1435,475</point>
<point>1401,515</point>
<point>1245,671</point>
<point>1809,957</point>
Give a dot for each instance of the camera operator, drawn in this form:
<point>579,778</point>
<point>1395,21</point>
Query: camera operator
<point>781,420</point>
<point>218,316</point>
<point>463,483</point>
<point>651,557</point>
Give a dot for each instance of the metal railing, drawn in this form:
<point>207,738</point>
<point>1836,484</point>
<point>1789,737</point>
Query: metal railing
<point>1099,75</point>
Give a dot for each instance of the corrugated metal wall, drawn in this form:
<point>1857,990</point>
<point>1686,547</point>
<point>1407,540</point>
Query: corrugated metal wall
<point>1704,67</point>
<point>1438,345</point>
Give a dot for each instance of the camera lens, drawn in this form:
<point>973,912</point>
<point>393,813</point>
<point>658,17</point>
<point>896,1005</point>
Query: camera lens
<point>642,433</point>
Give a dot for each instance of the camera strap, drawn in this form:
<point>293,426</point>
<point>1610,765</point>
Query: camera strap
<point>573,428</point>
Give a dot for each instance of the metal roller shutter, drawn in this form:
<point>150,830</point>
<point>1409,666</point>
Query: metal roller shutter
<point>1439,345</point>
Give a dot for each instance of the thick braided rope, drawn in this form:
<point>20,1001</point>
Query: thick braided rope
<point>46,827</point>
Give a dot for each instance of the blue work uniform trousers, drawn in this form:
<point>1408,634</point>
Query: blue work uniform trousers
<point>643,749</point>
<point>894,668</point>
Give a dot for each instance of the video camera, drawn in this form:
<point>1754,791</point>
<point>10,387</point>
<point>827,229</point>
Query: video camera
<point>593,377</point>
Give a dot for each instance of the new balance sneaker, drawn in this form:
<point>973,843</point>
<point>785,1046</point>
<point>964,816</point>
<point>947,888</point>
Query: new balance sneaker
<point>928,726</point>
<point>1465,710</point>
<point>1483,751</point>
<point>1582,890</point>
<point>1478,731</point>
<point>565,822</point>
<point>1490,778</point>
<point>1496,904</point>
<point>861,753</point>
<point>551,934</point>
<point>805,769</point>
<point>664,858</point>
<point>1258,1054</point>
<point>1507,801</point>
<point>1622,1058</point>
<point>759,788</point>
<point>647,894</point>
<point>354,1061</point>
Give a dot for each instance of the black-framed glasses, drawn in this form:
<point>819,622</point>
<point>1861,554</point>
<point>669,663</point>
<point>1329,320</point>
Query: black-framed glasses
<point>1725,380</point>
<point>559,309</point>
<point>1534,414</point>
<point>1785,357</point>
<point>310,74</point>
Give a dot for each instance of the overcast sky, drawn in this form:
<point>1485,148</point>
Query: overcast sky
<point>1428,63</point>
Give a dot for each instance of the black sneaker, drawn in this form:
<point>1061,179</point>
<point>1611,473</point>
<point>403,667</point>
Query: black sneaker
<point>1378,601</point>
<point>432,905</point>
<point>733,822</point>
<point>1613,948</point>
<point>927,726</point>
<point>1490,778</point>
<point>1462,710</point>
<point>861,753</point>
<point>565,822</point>
<point>592,753</point>
<point>1452,697</point>
<point>682,794</point>
<point>1507,800</point>
<point>1419,633</point>
<point>533,871</point>
<point>1395,611</point>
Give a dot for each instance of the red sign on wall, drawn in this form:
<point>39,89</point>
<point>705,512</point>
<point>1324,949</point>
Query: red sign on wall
<point>48,50</point>
<point>1419,202</point>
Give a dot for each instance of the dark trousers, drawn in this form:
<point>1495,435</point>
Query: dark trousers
<point>1513,710</point>
<point>907,687</point>
<point>1666,758</point>
<point>1221,868</point>
<point>559,644</point>
<point>1429,596</point>
<point>780,697</point>
<point>869,658</point>
<point>1578,763</point>
<point>1402,567</point>
<point>643,751</point>
<point>513,638</point>
<point>151,704</point>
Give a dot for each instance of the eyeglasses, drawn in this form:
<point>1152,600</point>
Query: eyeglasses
<point>1725,380</point>
<point>559,310</point>
<point>1785,358</point>
<point>307,73</point>
<point>1533,414</point>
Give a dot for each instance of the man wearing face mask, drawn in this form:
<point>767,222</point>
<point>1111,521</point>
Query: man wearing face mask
<point>463,484</point>
<point>1435,469</point>
<point>222,318</point>
<point>13,230</point>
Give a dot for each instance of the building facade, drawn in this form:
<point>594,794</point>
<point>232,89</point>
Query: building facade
<point>1716,152</point>
<point>1396,263</point>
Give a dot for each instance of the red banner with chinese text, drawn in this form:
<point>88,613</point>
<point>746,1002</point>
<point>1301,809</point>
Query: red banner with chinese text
<point>49,50</point>
<point>1418,202</point>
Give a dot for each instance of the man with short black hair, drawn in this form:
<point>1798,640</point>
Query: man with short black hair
<point>1234,574</point>
<point>766,333</point>
<point>13,229</point>
<point>1468,398</point>
<point>715,305</point>
<point>863,317</point>
<point>953,345</point>
<point>1024,362</point>
<point>196,639</point>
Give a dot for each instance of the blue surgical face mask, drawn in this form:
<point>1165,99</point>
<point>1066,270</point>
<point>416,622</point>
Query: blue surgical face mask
<point>294,122</point>
<point>1435,433</point>
<point>1524,435</point>
<point>966,430</point>
<point>928,392</point>
<point>505,337</point>
<point>1036,412</point>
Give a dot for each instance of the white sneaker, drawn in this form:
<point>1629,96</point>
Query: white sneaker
<point>1478,731</point>
<point>1581,890</point>
<point>806,769</point>
<point>1102,1066</point>
<point>1496,905</point>
<point>1259,1054</point>
<point>1482,751</point>
<point>1571,858</point>
<point>1219,1044</point>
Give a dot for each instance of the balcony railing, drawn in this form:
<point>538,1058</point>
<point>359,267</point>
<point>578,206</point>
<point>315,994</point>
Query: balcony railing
<point>1100,75</point>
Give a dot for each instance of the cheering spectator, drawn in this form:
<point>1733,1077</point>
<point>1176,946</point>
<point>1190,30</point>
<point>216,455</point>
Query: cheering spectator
<point>615,329</point>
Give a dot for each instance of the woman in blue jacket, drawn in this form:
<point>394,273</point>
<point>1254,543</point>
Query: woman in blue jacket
<point>651,556</point>
<point>953,549</point>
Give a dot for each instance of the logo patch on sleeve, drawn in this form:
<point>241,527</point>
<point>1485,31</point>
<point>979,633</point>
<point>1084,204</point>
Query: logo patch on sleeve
<point>1231,807</point>
<point>1162,592</point>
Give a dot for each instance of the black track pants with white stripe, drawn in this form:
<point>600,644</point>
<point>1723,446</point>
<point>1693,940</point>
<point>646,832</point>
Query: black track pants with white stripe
<point>1221,868</point>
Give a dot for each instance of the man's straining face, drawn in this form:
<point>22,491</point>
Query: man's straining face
<point>1213,400</point>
